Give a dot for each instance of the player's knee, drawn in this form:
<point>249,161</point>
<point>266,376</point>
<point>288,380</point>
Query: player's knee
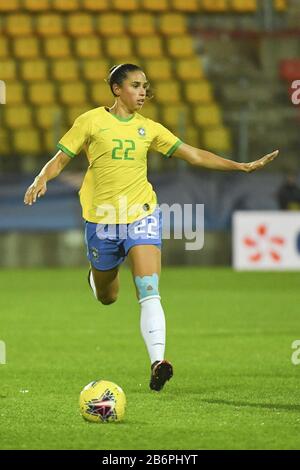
<point>107,299</point>
<point>147,286</point>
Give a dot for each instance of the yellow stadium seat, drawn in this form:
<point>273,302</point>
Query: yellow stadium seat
<point>101,95</point>
<point>96,5</point>
<point>42,93</point>
<point>150,111</point>
<point>189,69</point>
<point>215,6</point>
<point>74,111</point>
<point>27,141</point>
<point>3,47</point>
<point>172,24</point>
<point>185,5</point>
<point>14,93</point>
<point>9,5</point>
<point>89,46</point>
<point>158,69</point>
<point>217,139</point>
<point>26,48</point>
<point>244,6</point>
<point>33,70</point>
<point>50,24</point>
<point>167,92</point>
<point>119,47</point>
<point>208,115</point>
<point>110,24</point>
<point>175,116</point>
<point>65,69</point>
<point>198,92</point>
<point>191,136</point>
<point>8,69</point>
<point>37,5</point>
<point>5,142</point>
<point>95,69</point>
<point>128,5</point>
<point>72,93</point>
<point>50,138</point>
<point>18,25</point>
<point>141,24</point>
<point>280,5</point>
<point>180,46</point>
<point>80,24</point>
<point>46,117</point>
<point>155,5</point>
<point>65,5</point>
<point>127,60</point>
<point>149,46</point>
<point>57,47</point>
<point>17,116</point>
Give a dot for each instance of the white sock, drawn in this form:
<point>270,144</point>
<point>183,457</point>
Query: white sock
<point>92,284</point>
<point>153,327</point>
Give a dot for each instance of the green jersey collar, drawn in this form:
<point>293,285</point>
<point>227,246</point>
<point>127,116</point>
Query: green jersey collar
<point>122,119</point>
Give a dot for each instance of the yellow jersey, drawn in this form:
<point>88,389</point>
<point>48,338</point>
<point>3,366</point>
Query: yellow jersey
<point>115,188</point>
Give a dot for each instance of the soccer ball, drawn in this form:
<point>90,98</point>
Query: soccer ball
<point>102,402</point>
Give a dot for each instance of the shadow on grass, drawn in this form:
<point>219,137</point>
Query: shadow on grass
<point>268,406</point>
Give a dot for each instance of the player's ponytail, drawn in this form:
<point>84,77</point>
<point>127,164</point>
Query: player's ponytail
<point>118,73</point>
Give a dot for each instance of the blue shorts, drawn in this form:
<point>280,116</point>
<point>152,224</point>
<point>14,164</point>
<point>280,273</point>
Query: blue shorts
<point>108,244</point>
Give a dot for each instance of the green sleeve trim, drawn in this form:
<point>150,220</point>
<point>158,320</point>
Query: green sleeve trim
<point>172,149</point>
<point>65,150</point>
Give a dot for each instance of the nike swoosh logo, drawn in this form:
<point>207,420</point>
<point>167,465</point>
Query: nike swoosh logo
<point>106,129</point>
<point>152,331</point>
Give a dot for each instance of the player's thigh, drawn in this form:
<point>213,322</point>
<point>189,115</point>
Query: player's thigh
<point>145,260</point>
<point>106,282</point>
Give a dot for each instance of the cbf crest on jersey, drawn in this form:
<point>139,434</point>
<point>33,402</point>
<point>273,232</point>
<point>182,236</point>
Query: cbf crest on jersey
<point>142,131</point>
<point>95,253</point>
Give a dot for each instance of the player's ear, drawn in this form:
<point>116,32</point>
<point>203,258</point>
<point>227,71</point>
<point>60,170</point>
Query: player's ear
<point>116,89</point>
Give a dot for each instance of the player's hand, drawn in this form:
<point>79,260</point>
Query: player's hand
<point>258,164</point>
<point>36,189</point>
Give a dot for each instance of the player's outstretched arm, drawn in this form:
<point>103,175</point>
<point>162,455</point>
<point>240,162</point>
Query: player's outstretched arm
<point>52,169</point>
<point>205,159</point>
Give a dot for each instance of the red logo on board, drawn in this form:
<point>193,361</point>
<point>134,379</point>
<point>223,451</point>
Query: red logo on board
<point>264,245</point>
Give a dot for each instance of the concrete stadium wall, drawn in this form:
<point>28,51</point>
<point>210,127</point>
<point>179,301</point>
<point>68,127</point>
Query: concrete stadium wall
<point>68,249</point>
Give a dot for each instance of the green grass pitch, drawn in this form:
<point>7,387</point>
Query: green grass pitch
<point>229,337</point>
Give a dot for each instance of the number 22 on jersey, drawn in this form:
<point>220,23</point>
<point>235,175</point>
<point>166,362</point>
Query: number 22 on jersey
<point>122,149</point>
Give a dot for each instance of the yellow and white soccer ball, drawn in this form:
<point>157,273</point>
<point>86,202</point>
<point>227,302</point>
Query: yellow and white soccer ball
<point>102,402</point>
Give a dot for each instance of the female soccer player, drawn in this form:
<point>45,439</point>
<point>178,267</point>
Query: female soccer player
<point>122,217</point>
